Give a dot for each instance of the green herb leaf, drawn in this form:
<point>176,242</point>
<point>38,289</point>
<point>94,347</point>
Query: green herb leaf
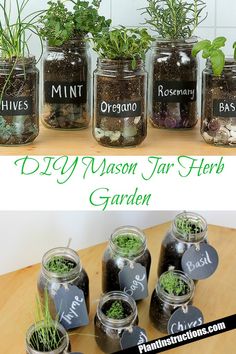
<point>202,45</point>
<point>218,42</point>
<point>218,61</point>
<point>234,46</point>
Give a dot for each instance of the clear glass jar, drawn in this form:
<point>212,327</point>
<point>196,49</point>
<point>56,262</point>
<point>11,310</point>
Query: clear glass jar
<point>19,104</point>
<point>120,99</point>
<point>115,259</point>
<point>173,84</point>
<point>52,281</point>
<point>108,332</point>
<point>176,243</point>
<point>67,86</point>
<point>218,125</point>
<point>163,304</point>
<point>63,348</point>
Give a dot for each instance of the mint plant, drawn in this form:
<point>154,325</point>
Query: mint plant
<point>175,19</point>
<point>213,52</point>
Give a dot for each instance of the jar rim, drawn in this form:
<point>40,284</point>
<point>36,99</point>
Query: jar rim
<point>64,345</point>
<point>190,238</point>
<point>176,42</point>
<point>106,63</point>
<point>113,323</point>
<point>77,42</point>
<point>21,61</point>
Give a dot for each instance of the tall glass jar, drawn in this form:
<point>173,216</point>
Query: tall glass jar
<point>19,101</point>
<point>120,99</point>
<point>218,126</point>
<point>67,86</point>
<point>54,282</point>
<point>177,242</point>
<point>118,256</point>
<point>109,331</point>
<point>163,304</point>
<point>64,343</point>
<point>173,84</point>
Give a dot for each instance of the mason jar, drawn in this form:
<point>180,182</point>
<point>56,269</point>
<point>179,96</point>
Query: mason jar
<point>173,84</point>
<point>108,331</point>
<point>19,101</point>
<point>120,103</point>
<point>64,344</point>
<point>218,124</point>
<point>177,242</point>
<point>116,257</point>
<point>53,282</point>
<point>67,86</point>
<point>163,304</point>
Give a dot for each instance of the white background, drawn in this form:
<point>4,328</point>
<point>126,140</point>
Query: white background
<point>26,236</point>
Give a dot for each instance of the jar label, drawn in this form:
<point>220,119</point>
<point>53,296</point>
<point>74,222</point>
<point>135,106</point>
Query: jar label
<point>71,307</point>
<point>120,109</point>
<point>182,320</point>
<point>224,108</point>
<point>16,106</point>
<point>65,92</point>
<point>134,337</point>
<point>133,281</point>
<point>200,263</point>
<point>176,91</point>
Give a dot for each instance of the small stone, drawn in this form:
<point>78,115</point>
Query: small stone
<point>129,132</point>
<point>233,133</point>
<point>222,136</point>
<point>232,140</point>
<point>209,139</point>
<point>137,120</point>
<point>99,133</point>
<point>233,128</point>
<point>115,136</point>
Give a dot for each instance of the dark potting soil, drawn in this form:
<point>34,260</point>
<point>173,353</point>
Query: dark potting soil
<point>107,339</point>
<point>71,69</point>
<point>120,131</point>
<point>174,66</point>
<point>112,266</point>
<point>20,127</point>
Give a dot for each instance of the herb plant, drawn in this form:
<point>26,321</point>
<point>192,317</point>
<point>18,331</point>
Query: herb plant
<point>175,19</point>
<point>116,311</point>
<point>173,285</point>
<point>128,244</point>
<point>187,226</point>
<point>60,265</point>
<point>212,50</point>
<point>122,44</point>
<point>58,24</point>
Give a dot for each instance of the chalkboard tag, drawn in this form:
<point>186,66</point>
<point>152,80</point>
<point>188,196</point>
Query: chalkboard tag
<point>132,338</point>
<point>224,108</point>
<point>182,320</point>
<point>120,109</point>
<point>65,92</point>
<point>71,307</point>
<point>16,106</point>
<point>176,91</point>
<point>200,263</point>
<point>133,281</point>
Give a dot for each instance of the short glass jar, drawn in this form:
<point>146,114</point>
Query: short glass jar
<point>108,331</point>
<point>120,103</point>
<point>52,282</point>
<point>67,86</point>
<point>64,343</point>
<point>116,258</point>
<point>177,242</point>
<point>218,125</point>
<point>19,104</point>
<point>173,84</point>
<point>163,304</point>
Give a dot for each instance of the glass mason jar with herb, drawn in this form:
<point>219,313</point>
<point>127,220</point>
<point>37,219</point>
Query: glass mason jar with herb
<point>187,229</point>
<point>120,87</point>
<point>174,290</point>
<point>116,313</point>
<point>126,263</point>
<point>66,281</point>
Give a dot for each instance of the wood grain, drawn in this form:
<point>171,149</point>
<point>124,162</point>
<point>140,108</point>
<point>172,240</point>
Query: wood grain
<point>159,142</point>
<point>214,296</point>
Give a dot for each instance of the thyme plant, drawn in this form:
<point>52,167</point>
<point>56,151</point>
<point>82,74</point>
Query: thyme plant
<point>173,285</point>
<point>59,265</point>
<point>175,19</point>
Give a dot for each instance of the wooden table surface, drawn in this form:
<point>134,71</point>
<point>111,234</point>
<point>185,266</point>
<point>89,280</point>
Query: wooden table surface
<point>158,142</point>
<point>216,297</point>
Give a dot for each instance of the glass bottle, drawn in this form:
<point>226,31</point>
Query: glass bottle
<point>109,331</point>
<point>173,84</point>
<point>115,258</point>
<point>163,304</point>
<point>176,243</point>
<point>53,282</point>
<point>19,101</point>
<point>67,86</point>
<point>218,125</point>
<point>120,100</point>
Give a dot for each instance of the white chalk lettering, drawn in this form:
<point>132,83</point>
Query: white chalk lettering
<point>136,284</point>
<point>202,262</point>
